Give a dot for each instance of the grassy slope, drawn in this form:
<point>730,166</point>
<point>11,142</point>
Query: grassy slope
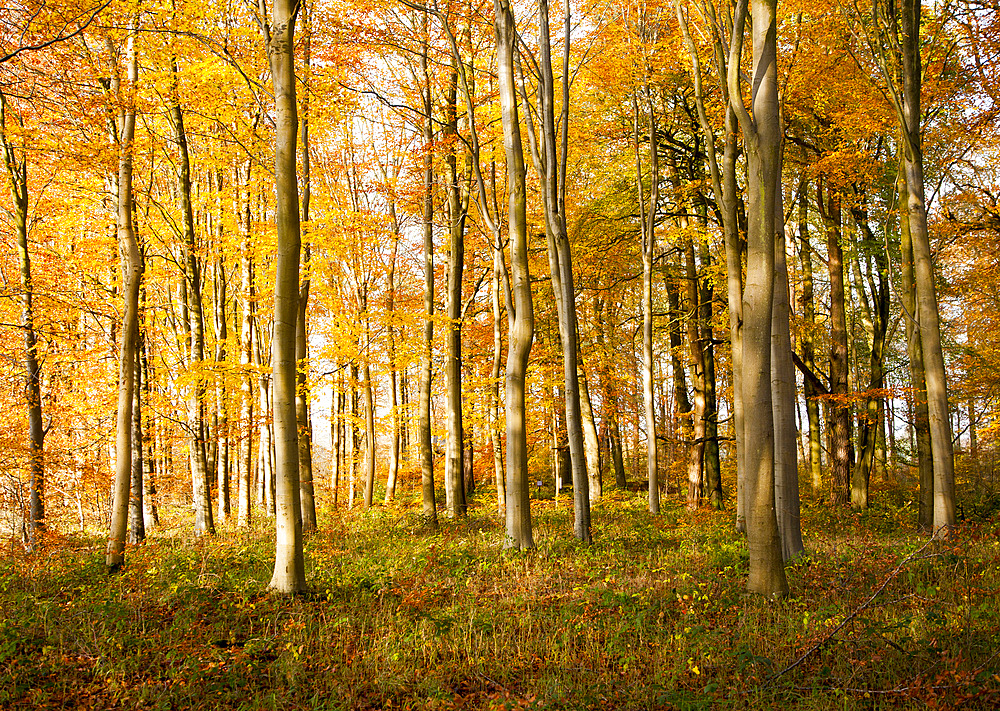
<point>651,616</point>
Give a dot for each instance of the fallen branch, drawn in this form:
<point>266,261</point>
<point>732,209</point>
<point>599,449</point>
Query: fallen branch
<point>864,606</point>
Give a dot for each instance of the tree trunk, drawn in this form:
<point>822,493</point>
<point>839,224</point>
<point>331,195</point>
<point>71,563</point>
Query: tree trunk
<point>682,405</point>
<point>591,446</point>
<point>289,568</point>
<point>783,393</point>
<point>131,277</point>
<point>712,477</point>
<point>840,411</point>
<point>556,445</point>
<point>468,461</point>
<point>647,221</point>
<point>405,415</point>
<point>609,392</point>
<point>724,187</point>
<point>369,407</point>
<point>394,407</point>
<point>17,173</point>
<point>200,489</point>
<point>914,351</point>
<point>550,164</point>
<point>247,301</point>
<point>151,516</point>
<point>137,522</point>
<point>337,433</point>
<point>221,396</point>
<point>424,403</point>
<point>521,320</point>
<point>495,441</point>
<point>264,478</point>
<point>761,135</point>
<point>454,490</point>
<point>696,448</point>
<point>923,268</point>
<point>877,326</point>
<point>352,434</point>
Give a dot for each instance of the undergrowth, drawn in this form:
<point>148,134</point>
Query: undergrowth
<point>653,615</point>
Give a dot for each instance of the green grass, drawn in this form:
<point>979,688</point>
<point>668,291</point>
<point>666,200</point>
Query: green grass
<point>653,615</point>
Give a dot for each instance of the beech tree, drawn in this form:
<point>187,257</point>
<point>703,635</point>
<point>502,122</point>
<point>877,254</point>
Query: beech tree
<point>551,165</point>
<point>761,136</point>
<point>520,312</point>
<point>121,93</point>
<point>424,402</point>
<point>647,229</point>
<point>289,570</point>
<point>906,100</point>
<point>16,163</point>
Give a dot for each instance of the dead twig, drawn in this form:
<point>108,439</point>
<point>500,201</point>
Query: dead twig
<point>847,620</point>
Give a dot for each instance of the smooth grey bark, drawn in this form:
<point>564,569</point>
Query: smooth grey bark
<point>124,122</point>
<point>265,458</point>
<point>897,52</point>
<point>405,415</point>
<point>762,139</point>
<point>551,165</point>
<point>590,442</point>
<point>424,402</point>
<point>289,567</point>
<point>457,210</point>
<point>468,462</point>
<point>617,450</point>
<point>559,450</point>
<point>520,314</point>
<point>647,232</point>
<point>914,351</point>
<point>489,213</point>
<point>307,498</point>
<point>17,173</point>
<point>609,393</point>
<point>783,393</point>
<point>929,321</point>
<point>263,336</point>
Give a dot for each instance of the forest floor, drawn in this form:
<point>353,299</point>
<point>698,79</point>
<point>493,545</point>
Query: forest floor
<point>653,615</point>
